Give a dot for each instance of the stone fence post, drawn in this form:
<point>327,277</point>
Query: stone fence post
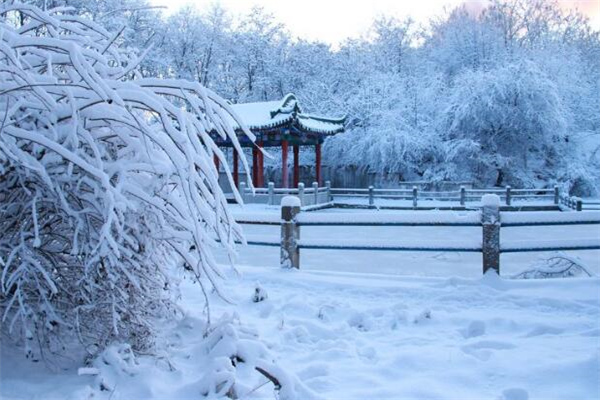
<point>271,190</point>
<point>301,193</point>
<point>415,196</point>
<point>490,220</point>
<point>290,233</point>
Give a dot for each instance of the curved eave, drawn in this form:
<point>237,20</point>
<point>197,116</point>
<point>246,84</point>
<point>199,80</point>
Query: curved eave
<point>329,126</point>
<point>276,124</point>
<point>331,131</point>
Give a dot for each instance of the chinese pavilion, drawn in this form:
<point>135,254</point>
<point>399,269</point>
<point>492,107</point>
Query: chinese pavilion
<point>279,124</point>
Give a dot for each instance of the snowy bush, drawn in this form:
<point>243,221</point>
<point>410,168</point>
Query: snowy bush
<point>106,182</point>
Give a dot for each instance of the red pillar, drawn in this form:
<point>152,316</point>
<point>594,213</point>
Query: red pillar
<point>261,166</point>
<point>254,166</point>
<point>296,165</point>
<point>318,163</point>
<point>284,168</point>
<point>236,175</point>
<point>216,160</point>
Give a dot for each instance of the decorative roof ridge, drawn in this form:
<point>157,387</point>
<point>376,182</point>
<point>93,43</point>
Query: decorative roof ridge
<point>336,120</point>
<point>285,104</point>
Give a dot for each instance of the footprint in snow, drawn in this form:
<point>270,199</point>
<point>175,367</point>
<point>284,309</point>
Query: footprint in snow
<point>367,352</point>
<point>475,329</point>
<point>360,321</point>
<point>483,350</point>
<point>541,329</point>
<point>424,316</point>
<point>514,394</point>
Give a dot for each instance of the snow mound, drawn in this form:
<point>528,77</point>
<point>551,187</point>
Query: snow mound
<point>490,200</point>
<point>290,201</point>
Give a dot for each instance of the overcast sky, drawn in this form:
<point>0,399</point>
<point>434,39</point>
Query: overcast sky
<point>332,21</point>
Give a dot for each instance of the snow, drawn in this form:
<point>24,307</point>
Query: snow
<point>290,201</point>
<point>258,115</point>
<point>357,336</point>
<point>407,217</point>
<point>390,244</point>
<point>364,324</point>
<point>490,200</point>
<point>268,114</point>
<point>549,217</point>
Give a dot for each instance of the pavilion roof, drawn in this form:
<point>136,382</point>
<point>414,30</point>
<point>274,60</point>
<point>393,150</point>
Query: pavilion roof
<point>273,114</point>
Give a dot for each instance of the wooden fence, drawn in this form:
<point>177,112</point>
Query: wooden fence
<point>489,219</point>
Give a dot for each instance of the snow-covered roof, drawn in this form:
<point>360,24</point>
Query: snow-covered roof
<point>272,114</point>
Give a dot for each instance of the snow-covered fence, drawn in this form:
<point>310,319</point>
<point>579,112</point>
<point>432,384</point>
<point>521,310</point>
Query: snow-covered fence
<point>462,196</point>
<point>545,198</point>
<point>490,219</point>
<point>271,195</point>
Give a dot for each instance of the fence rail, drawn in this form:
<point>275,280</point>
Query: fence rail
<point>316,194</point>
<point>489,218</point>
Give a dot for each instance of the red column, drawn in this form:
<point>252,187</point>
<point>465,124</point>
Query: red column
<point>254,166</point>
<point>216,160</point>
<point>296,165</point>
<point>318,163</point>
<point>284,168</point>
<point>236,175</point>
<point>261,166</point>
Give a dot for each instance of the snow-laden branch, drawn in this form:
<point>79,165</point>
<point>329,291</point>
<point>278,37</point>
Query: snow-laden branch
<point>106,183</point>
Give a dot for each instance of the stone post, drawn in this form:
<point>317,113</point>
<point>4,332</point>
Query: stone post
<point>415,195</point>
<point>371,196</point>
<point>490,219</point>
<point>290,233</point>
<point>463,196</point>
<point>271,189</point>
<point>301,193</point>
<point>508,196</point>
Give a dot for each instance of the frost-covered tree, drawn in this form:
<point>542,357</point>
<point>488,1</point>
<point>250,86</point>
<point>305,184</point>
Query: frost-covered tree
<point>396,81</point>
<point>107,183</point>
<point>506,124</point>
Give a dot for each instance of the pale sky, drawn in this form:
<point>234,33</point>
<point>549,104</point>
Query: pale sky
<point>332,21</point>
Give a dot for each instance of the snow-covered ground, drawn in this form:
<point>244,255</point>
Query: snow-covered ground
<point>376,325</point>
<point>358,336</point>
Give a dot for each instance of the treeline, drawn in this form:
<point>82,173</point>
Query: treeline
<point>509,95</point>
